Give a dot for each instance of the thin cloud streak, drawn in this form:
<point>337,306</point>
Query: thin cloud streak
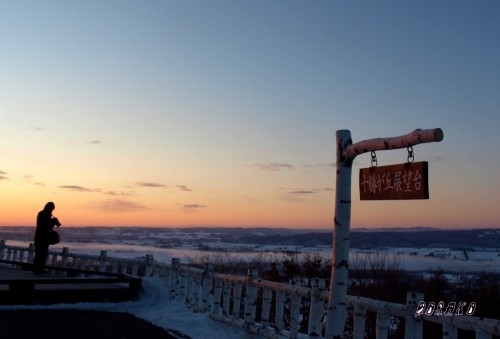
<point>303,192</point>
<point>149,184</point>
<point>75,188</point>
<point>193,206</point>
<point>119,206</point>
<point>273,166</point>
<point>117,193</point>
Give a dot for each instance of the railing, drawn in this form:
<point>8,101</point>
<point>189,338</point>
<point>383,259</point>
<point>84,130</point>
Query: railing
<point>98,263</point>
<point>271,309</point>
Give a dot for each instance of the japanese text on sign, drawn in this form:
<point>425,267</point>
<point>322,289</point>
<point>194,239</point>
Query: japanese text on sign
<point>394,182</point>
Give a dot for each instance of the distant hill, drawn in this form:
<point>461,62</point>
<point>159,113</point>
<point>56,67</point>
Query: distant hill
<point>359,238</point>
<point>482,238</point>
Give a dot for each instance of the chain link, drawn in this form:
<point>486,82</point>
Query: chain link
<point>374,159</point>
<point>411,156</point>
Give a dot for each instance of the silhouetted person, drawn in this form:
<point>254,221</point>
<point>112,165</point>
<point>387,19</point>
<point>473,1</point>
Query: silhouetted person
<point>45,222</point>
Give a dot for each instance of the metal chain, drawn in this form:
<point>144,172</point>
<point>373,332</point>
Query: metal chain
<point>411,156</point>
<point>374,159</point>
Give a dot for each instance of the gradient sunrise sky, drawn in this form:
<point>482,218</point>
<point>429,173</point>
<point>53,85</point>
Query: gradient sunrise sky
<point>192,113</point>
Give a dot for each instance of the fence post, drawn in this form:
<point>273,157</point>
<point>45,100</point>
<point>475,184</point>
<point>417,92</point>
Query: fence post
<point>250,297</point>
<point>279,305</point>
<point>217,297</point>
<point>383,320</point>
<point>174,276</point>
<point>54,259</point>
<point>359,320</point>
<point>315,325</point>
<point>226,286</point>
<point>2,248</point>
<point>482,335</point>
<point>237,300</point>
<point>413,325</point>
<point>450,332</point>
<point>114,266</point>
<point>148,269</point>
<point>64,257</point>
<point>9,254</point>
<point>103,257</point>
<point>267,295</point>
<point>184,282</point>
<point>197,299</point>
<point>187,280</point>
<point>294,315</point>
<point>31,251</point>
<point>206,286</point>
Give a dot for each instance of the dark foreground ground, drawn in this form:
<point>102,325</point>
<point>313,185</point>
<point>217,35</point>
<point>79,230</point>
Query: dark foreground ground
<point>73,324</point>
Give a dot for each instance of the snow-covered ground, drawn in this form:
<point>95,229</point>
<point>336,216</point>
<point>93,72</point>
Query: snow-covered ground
<point>155,306</point>
<point>410,259</point>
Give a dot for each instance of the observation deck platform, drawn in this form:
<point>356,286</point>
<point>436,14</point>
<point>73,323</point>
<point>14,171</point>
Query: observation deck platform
<point>19,286</point>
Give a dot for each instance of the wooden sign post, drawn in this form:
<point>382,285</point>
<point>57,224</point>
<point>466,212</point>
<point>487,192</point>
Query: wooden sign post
<point>394,182</point>
<point>346,152</point>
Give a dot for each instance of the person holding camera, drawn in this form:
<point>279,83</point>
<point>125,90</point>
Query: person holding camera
<point>44,234</point>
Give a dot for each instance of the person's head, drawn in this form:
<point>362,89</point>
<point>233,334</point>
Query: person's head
<point>49,206</point>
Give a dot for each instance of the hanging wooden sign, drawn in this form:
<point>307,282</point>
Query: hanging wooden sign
<point>394,182</point>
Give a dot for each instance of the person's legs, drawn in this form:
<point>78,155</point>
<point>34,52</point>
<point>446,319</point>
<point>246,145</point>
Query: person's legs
<point>41,253</point>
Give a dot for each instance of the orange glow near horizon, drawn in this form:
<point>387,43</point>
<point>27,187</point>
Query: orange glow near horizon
<point>158,206</point>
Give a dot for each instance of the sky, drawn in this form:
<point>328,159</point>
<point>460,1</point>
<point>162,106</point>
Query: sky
<point>224,113</point>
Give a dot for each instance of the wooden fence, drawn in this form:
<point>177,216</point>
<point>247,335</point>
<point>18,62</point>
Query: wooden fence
<point>271,309</point>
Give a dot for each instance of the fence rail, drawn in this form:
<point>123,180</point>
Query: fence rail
<point>271,309</point>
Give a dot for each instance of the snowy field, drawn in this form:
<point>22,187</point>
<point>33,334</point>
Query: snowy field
<point>410,259</point>
<point>155,305</point>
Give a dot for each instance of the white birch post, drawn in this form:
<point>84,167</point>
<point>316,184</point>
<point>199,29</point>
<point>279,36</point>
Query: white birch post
<point>346,152</point>
<point>338,281</point>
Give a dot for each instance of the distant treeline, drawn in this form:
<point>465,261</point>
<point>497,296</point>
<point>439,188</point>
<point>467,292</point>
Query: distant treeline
<point>365,238</point>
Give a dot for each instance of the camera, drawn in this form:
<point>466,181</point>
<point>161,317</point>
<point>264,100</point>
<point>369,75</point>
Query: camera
<point>57,222</point>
